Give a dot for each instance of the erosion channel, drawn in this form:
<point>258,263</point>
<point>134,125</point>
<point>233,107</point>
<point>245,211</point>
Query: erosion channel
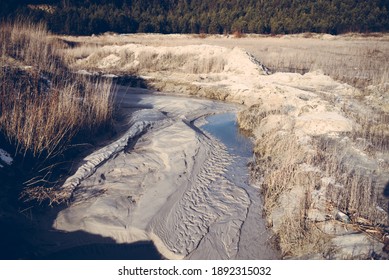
<point>177,177</point>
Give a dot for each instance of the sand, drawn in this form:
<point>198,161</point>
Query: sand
<point>292,107</point>
<point>5,158</point>
<point>170,188</point>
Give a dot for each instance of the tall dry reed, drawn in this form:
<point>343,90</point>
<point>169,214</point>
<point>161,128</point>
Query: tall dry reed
<point>43,105</point>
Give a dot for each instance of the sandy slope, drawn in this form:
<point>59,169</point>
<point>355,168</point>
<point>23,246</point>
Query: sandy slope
<point>229,74</point>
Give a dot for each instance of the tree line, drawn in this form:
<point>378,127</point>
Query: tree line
<point>202,16</point>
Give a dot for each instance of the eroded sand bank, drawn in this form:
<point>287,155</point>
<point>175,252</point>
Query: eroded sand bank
<point>171,188</point>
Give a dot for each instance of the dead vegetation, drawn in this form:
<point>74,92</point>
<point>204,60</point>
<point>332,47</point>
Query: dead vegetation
<point>135,60</point>
<point>299,178</point>
<point>358,59</point>
<point>44,105</point>
<point>238,34</point>
<point>46,110</point>
<point>352,186</point>
<point>287,190</point>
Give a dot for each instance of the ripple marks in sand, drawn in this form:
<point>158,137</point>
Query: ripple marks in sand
<point>204,222</point>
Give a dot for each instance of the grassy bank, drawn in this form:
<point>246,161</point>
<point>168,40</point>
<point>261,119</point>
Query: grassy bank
<point>44,107</point>
<point>314,186</point>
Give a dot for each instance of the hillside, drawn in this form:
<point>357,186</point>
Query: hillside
<point>195,16</point>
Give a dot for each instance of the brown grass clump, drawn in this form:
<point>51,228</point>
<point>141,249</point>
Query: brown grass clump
<point>354,188</point>
<point>238,34</point>
<point>201,35</point>
<point>284,184</point>
<point>144,61</point>
<point>300,236</point>
<point>251,118</point>
<point>301,179</point>
<point>374,130</point>
<point>42,104</point>
<point>279,169</point>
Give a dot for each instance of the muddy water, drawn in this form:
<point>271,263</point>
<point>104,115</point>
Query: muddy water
<point>254,237</point>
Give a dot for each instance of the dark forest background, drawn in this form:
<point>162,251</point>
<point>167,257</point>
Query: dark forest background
<point>202,16</point>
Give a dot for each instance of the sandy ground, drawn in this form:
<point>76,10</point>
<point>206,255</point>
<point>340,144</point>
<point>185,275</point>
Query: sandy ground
<point>288,113</point>
<point>170,188</point>
<point>5,158</point>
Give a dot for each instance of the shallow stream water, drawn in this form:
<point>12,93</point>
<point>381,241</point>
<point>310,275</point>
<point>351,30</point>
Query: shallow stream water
<point>254,237</point>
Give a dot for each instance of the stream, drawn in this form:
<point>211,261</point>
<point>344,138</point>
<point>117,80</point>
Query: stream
<point>253,243</point>
<point>180,191</point>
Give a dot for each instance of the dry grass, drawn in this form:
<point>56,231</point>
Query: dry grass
<point>354,58</point>
<point>278,169</point>
<point>360,62</point>
<point>131,60</point>
<point>354,188</point>
<point>201,35</point>
<point>250,119</point>
<point>298,236</point>
<point>78,52</point>
<point>373,130</point>
<point>281,177</point>
<point>43,105</point>
<point>279,165</point>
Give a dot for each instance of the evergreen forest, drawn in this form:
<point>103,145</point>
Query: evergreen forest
<point>203,16</point>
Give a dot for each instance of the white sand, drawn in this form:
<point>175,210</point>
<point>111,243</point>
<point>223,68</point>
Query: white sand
<point>233,75</point>
<point>5,158</point>
<point>170,188</point>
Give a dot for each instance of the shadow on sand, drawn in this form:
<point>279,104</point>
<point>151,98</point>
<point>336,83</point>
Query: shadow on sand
<point>29,234</point>
<point>386,193</point>
<point>23,240</point>
<point>108,251</point>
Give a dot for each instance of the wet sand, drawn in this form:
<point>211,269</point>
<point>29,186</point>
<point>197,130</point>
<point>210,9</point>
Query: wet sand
<point>174,187</point>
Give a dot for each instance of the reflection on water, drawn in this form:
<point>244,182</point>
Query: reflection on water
<point>225,128</point>
<point>253,239</point>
